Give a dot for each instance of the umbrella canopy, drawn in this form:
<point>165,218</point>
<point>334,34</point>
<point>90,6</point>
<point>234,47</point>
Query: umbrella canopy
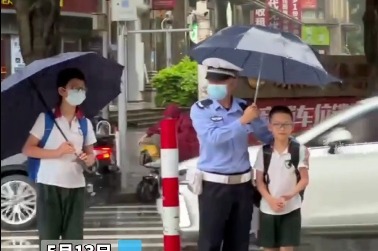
<point>277,56</point>
<point>21,103</point>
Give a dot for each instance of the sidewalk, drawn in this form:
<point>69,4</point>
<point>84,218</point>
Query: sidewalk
<point>131,106</point>
<point>135,172</point>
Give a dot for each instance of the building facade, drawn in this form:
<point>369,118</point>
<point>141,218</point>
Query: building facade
<point>326,24</point>
<point>76,30</point>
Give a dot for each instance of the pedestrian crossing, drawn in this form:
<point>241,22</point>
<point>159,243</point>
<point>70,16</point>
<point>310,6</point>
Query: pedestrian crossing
<point>111,223</point>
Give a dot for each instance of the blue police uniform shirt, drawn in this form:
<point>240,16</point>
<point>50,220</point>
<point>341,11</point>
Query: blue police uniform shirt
<point>223,139</point>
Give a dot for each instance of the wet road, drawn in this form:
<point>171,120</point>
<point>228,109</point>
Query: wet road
<point>110,223</point>
<point>102,223</point>
<point>142,222</point>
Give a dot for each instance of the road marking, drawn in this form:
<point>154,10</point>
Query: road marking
<point>100,229</point>
<point>96,229</point>
<point>123,206</point>
<point>121,212</point>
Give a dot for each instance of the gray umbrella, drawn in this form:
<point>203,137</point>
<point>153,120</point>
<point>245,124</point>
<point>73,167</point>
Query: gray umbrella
<point>267,53</point>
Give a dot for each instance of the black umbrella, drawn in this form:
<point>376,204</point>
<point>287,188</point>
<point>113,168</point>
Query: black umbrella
<point>25,94</point>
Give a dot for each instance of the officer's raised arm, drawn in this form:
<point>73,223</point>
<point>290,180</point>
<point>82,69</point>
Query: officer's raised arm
<point>207,128</point>
<point>259,127</point>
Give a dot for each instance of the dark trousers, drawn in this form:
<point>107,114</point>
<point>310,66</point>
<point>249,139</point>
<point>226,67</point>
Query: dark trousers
<point>60,212</point>
<point>225,216</point>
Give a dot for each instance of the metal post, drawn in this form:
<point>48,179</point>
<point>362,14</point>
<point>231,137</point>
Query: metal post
<point>105,44</point>
<point>204,29</point>
<point>170,185</point>
<point>122,102</point>
<point>168,45</point>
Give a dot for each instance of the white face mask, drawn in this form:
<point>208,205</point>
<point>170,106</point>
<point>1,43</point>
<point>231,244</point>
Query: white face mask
<point>75,97</point>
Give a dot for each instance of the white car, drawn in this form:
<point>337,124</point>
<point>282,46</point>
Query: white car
<point>342,195</point>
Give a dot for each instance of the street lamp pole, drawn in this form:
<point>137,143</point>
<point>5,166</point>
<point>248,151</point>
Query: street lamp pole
<point>167,22</point>
<point>122,102</point>
<point>105,46</point>
<point>122,12</point>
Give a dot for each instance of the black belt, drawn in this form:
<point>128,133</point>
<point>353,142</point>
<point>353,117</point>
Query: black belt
<point>230,174</point>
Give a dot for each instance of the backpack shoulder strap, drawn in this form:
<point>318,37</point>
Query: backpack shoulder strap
<point>83,122</point>
<point>294,149</point>
<point>267,156</point>
<point>49,125</point>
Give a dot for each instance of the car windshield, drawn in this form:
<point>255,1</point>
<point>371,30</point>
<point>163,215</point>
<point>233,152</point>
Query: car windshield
<point>304,135</point>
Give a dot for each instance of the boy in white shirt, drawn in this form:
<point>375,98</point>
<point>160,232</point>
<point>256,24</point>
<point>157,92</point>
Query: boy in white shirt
<point>59,175</point>
<point>281,184</point>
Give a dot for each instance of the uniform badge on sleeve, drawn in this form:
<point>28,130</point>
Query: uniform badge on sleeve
<point>216,118</point>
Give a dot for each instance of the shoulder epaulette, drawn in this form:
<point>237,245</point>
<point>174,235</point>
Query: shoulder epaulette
<point>204,103</point>
<point>243,106</point>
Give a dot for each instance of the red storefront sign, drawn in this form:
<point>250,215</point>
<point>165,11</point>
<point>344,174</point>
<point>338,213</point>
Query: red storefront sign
<point>274,20</point>
<point>285,10</point>
<point>79,6</point>
<point>309,4</point>
<point>261,16</point>
<point>307,111</point>
<point>163,4</point>
<point>295,10</point>
<point>289,7</point>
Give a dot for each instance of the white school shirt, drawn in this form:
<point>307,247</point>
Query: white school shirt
<point>282,178</point>
<point>64,171</point>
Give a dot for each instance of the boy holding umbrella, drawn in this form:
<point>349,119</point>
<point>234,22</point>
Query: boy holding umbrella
<point>60,180</point>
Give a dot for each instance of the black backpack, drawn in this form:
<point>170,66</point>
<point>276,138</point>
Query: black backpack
<point>294,149</point>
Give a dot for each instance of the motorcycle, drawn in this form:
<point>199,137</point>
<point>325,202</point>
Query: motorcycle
<point>148,188</point>
<point>104,178</point>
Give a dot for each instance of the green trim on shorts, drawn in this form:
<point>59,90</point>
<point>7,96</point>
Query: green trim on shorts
<point>280,230</point>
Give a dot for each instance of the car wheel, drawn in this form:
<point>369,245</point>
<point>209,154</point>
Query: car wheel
<point>147,191</point>
<point>18,203</point>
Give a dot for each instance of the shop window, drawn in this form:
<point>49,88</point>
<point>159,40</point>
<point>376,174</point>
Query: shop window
<point>71,45</point>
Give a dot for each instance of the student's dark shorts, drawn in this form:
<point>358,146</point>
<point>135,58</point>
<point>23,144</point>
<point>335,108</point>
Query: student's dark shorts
<point>280,230</point>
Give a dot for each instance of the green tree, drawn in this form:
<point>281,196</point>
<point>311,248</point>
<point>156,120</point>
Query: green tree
<point>38,25</point>
<point>355,39</point>
<point>177,84</point>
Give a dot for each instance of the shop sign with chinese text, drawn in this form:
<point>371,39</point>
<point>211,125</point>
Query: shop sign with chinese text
<point>295,11</point>
<point>261,16</point>
<point>309,4</point>
<point>17,62</point>
<point>163,4</point>
<point>307,111</point>
<point>274,20</point>
<point>288,7</point>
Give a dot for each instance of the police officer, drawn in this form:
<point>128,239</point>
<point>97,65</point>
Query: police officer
<point>223,123</point>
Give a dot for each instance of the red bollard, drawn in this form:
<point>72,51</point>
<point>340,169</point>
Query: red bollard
<point>170,185</point>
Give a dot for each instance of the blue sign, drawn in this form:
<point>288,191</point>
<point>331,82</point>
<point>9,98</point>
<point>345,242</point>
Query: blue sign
<point>125,4</point>
<point>129,245</point>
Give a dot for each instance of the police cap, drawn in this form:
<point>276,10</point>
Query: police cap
<point>219,69</point>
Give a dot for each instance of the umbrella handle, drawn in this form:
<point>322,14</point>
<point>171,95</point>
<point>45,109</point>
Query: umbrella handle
<point>258,78</point>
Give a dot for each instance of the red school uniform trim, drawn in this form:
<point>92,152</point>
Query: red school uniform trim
<point>79,113</point>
